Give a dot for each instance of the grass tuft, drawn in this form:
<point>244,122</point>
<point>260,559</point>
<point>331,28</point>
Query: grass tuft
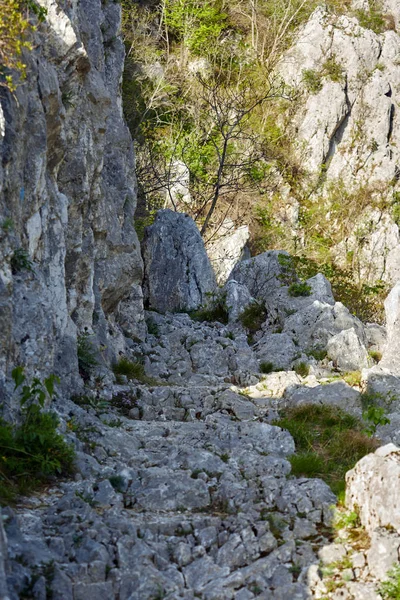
<point>328,441</point>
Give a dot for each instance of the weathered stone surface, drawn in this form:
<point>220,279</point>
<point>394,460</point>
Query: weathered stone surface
<point>337,393</point>
<point>178,274</point>
<point>373,488</point>
<point>390,359</point>
<point>68,187</point>
<point>3,560</point>
<point>278,349</point>
<point>237,299</point>
<point>383,552</point>
<point>347,352</point>
<point>226,249</point>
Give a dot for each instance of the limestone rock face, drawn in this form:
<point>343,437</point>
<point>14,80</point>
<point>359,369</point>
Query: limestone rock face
<point>227,249</point>
<point>373,486</point>
<point>178,274</point>
<point>348,125</point>
<point>391,356</point>
<point>347,352</point>
<point>67,195</point>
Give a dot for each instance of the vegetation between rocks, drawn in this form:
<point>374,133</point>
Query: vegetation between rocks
<point>32,452</point>
<point>328,441</point>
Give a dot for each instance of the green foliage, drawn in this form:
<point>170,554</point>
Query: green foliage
<point>152,327</point>
<point>328,442</point>
<point>299,289</point>
<point>132,370</point>
<point>198,24</point>
<point>332,69</point>
<point>142,222</point>
<point>7,224</point>
<point>266,367</point>
<point>253,316</point>
<point>390,589</point>
<point>87,360</point>
<point>118,483</point>
<point>32,452</point>
<point>317,353</point>
<point>352,378</point>
<point>214,310</point>
<point>15,31</point>
<point>312,80</point>
<point>20,261</point>
<point>375,355</point>
<point>373,18</point>
<point>302,369</point>
<point>374,416</point>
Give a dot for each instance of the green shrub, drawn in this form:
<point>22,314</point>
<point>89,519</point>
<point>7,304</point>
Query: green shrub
<point>299,289</point>
<point>266,367</point>
<point>152,327</point>
<point>390,589</point>
<point>118,482</point>
<point>374,416</point>
<point>333,70</point>
<point>20,261</point>
<point>32,452</point>
<point>302,369</point>
<point>328,442</point>
<point>215,310</point>
<point>312,80</point>
<point>253,316</point>
<point>87,360</point>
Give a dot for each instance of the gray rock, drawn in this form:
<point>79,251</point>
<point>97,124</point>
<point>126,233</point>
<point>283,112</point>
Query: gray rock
<point>390,358</point>
<point>278,349</point>
<point>337,393</point>
<point>3,561</point>
<point>226,249</point>
<point>238,298</point>
<point>178,274</point>
<point>372,488</point>
<point>347,352</point>
<point>383,552</point>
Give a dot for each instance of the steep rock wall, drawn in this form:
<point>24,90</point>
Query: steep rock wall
<point>67,197</point>
<point>347,130</point>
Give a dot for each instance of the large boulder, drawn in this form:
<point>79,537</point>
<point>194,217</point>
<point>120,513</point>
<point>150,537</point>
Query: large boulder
<point>177,272</point>
<point>347,351</point>
<point>391,354</point>
<point>373,489</point>
<point>226,250</point>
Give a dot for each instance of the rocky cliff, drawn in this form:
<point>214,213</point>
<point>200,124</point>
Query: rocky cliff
<point>70,261</point>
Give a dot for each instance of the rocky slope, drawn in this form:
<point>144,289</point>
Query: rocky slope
<point>183,486</point>
<point>69,256</point>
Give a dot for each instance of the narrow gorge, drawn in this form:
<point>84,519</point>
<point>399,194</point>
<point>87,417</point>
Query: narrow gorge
<point>195,403</point>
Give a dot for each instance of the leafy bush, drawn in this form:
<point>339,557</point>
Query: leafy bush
<point>333,70</point>
<point>328,442</point>
<point>87,360</point>
<point>15,29</point>
<point>20,261</point>
<point>312,80</point>
<point>375,416</point>
<point>299,289</point>
<point>32,452</point>
<point>253,316</point>
<point>390,589</point>
<point>373,18</point>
